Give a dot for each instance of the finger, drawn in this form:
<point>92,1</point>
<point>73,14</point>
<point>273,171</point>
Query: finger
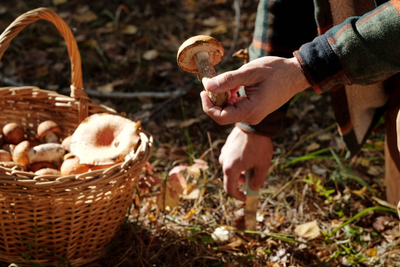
<point>225,81</point>
<point>232,113</point>
<point>258,178</point>
<point>231,178</point>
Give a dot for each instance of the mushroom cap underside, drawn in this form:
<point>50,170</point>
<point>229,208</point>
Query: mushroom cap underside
<point>104,139</point>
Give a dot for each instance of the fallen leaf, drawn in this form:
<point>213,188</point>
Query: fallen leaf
<point>194,194</point>
<point>198,166</point>
<point>372,252</point>
<point>308,230</point>
<point>128,29</point>
<point>150,54</point>
<point>85,17</point>
<point>361,193</point>
<point>384,222</point>
<point>167,199</point>
<point>106,88</point>
<point>177,182</point>
<point>59,2</point>
<point>313,146</point>
<point>190,214</point>
<point>151,217</point>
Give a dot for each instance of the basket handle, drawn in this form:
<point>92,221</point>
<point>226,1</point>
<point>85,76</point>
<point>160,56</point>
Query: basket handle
<point>76,69</point>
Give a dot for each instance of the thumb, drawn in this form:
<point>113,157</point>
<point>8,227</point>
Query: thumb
<point>224,82</point>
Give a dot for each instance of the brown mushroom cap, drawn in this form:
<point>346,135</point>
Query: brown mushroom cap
<point>103,139</point>
<point>13,133</point>
<point>5,155</point>
<point>20,153</point>
<point>195,44</point>
<point>41,165</point>
<point>48,127</point>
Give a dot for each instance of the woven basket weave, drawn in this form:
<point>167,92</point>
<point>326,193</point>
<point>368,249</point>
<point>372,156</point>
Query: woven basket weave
<point>66,220</point>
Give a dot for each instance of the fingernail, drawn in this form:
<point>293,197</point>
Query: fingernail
<point>211,84</point>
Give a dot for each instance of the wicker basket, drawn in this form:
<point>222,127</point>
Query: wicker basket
<point>67,220</point>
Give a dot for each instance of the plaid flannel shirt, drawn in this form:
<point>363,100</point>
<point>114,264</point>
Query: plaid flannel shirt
<point>361,50</point>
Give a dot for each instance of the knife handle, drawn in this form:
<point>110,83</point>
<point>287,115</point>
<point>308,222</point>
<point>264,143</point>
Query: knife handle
<point>247,190</point>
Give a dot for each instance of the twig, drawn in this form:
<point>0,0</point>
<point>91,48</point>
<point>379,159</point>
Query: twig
<point>95,93</point>
<point>9,81</point>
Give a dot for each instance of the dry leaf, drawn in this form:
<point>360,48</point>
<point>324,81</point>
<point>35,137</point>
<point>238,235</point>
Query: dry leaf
<point>86,17</point>
<point>194,194</point>
<point>128,29</point>
<point>384,222</point>
<point>198,166</point>
<point>190,214</point>
<point>313,146</point>
<point>106,88</point>
<point>150,54</point>
<point>308,230</point>
<point>167,199</point>
<point>151,217</point>
<point>372,252</point>
<point>177,182</point>
<point>361,193</point>
<point>59,2</point>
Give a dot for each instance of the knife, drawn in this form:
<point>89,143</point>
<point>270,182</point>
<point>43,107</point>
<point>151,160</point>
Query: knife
<point>250,209</point>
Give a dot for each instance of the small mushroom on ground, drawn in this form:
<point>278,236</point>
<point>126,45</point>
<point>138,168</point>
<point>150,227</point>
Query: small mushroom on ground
<point>71,165</point>
<point>13,133</point>
<point>199,54</point>
<point>104,139</point>
<point>49,132</point>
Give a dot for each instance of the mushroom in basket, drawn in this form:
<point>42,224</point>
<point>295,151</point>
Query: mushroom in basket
<point>104,139</point>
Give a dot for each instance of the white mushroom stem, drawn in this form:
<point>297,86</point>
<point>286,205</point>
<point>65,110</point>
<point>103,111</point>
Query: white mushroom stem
<point>50,152</point>
<point>206,70</point>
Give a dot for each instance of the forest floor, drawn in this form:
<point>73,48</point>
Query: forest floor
<point>316,208</point>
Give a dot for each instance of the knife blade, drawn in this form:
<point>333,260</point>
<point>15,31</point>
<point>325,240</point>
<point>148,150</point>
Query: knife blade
<point>250,209</point>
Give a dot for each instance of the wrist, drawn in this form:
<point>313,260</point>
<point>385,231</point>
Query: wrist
<point>300,82</point>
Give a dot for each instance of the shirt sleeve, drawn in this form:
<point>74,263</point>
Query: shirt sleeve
<point>362,50</point>
<point>280,29</point>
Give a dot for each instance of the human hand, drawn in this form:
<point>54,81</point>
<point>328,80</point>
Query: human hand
<point>269,83</point>
<point>243,151</point>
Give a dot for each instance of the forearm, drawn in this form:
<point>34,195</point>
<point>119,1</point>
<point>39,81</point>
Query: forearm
<point>362,50</point>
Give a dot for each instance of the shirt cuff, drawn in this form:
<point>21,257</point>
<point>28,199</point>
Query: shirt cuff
<point>320,65</point>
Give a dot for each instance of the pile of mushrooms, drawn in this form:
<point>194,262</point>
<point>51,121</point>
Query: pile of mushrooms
<point>99,142</point>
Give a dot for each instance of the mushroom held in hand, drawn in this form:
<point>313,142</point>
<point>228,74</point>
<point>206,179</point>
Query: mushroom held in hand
<point>13,133</point>
<point>103,139</point>
<point>199,54</point>
<point>49,132</point>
